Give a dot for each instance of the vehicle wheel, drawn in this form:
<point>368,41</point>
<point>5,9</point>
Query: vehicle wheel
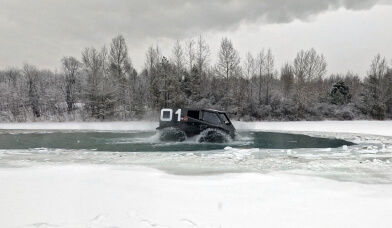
<point>172,134</point>
<point>213,135</point>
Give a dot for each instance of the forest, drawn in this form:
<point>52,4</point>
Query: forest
<point>102,85</point>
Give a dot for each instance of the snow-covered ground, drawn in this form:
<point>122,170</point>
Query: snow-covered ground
<point>108,196</point>
<point>43,188</point>
<point>100,126</point>
<point>358,127</point>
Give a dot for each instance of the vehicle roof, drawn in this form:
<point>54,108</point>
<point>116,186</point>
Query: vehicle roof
<point>205,109</point>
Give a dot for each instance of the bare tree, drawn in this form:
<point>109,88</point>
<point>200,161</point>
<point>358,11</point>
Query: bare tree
<point>170,85</point>
<point>107,84</point>
<point>190,53</point>
<point>228,59</point>
<point>121,67</point>
<point>269,74</point>
<point>12,74</point>
<point>354,82</point>
<point>94,66</point>
<point>287,79</point>
<point>152,65</point>
<point>378,70</point>
<point>153,58</point>
<point>120,62</point>
<point>309,67</point>
<point>71,67</point>
<point>249,68</point>
<point>239,87</point>
<point>31,74</point>
<point>10,93</point>
<point>378,88</point>
<point>260,68</point>
<point>202,55</point>
<point>178,58</point>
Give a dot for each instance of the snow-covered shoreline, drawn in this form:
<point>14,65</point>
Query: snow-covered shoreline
<point>97,126</point>
<point>382,128</point>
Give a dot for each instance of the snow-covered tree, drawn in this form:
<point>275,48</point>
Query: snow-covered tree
<point>121,67</point>
<point>260,69</point>
<point>228,59</point>
<point>32,75</point>
<point>309,67</point>
<point>190,46</point>
<point>269,74</point>
<point>152,66</point>
<point>249,70</point>
<point>287,79</point>
<point>340,93</point>
<point>377,88</point>
<point>71,69</point>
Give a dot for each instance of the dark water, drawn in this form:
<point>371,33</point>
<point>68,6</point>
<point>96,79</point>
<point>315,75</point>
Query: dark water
<point>149,141</point>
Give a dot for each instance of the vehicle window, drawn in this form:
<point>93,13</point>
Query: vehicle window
<point>224,118</point>
<point>211,117</point>
<point>193,114</point>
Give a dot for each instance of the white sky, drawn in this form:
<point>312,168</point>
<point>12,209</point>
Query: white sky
<point>349,33</point>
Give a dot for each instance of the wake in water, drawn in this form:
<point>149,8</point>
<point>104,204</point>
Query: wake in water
<point>172,134</point>
<point>173,139</point>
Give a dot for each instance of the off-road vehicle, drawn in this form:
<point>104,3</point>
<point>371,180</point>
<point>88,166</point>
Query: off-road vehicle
<point>211,125</point>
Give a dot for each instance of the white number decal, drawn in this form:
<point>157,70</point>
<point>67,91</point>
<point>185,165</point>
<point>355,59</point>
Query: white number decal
<point>178,114</point>
<point>170,117</point>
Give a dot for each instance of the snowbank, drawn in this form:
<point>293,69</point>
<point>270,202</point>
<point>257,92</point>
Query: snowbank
<point>107,196</point>
<point>383,128</point>
<point>98,126</point>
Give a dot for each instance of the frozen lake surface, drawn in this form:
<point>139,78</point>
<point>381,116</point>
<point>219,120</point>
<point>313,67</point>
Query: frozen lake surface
<point>121,175</point>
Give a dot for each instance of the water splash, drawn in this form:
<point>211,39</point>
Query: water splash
<point>162,139</point>
<point>213,136</point>
<point>172,134</point>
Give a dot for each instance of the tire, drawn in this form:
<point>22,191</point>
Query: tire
<point>172,134</point>
<point>213,135</point>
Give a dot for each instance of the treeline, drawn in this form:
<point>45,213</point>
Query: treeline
<point>103,85</point>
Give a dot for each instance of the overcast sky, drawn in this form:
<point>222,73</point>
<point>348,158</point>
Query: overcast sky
<point>348,32</point>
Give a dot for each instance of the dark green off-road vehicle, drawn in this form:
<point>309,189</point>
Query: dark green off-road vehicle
<point>211,125</point>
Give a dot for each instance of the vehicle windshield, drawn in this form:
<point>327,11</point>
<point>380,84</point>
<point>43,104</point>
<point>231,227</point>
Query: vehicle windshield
<point>224,118</point>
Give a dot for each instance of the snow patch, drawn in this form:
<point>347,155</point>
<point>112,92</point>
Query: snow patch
<point>109,196</point>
